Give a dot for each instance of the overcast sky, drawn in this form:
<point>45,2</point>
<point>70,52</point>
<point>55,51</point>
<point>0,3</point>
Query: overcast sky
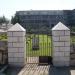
<point>9,7</point>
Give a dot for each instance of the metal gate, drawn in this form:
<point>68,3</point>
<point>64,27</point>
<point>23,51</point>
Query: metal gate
<point>72,51</point>
<point>38,48</point>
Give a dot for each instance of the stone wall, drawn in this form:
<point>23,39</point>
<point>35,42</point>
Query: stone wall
<point>16,46</point>
<point>3,52</point>
<point>3,43</point>
<point>61,45</point>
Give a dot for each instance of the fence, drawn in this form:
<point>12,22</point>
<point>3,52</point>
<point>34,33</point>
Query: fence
<point>38,48</point>
<point>72,42</point>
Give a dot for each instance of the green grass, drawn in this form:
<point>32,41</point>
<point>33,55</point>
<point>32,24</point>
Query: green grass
<point>44,46</point>
<point>3,37</point>
<point>72,40</point>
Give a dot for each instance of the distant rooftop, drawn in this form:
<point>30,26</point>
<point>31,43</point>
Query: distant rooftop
<point>40,12</point>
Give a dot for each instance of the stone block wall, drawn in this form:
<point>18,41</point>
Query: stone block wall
<point>16,48</point>
<point>61,47</point>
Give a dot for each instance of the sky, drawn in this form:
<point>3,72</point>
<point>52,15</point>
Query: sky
<point>9,7</point>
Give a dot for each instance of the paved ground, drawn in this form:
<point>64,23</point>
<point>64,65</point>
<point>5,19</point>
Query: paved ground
<point>12,71</point>
<point>35,70</point>
<point>32,59</point>
<point>62,70</point>
<point>46,70</point>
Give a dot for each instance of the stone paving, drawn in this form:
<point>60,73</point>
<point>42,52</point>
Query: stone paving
<point>62,71</point>
<point>31,69</point>
<point>33,60</point>
<point>34,69</point>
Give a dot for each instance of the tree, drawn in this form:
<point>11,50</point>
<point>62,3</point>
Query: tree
<point>15,19</point>
<point>12,20</point>
<point>3,20</point>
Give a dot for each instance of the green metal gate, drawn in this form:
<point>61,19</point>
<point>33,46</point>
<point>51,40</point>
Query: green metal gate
<point>38,48</point>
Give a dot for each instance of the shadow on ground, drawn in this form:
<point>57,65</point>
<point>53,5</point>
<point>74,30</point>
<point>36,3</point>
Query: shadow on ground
<point>61,70</point>
<point>12,71</point>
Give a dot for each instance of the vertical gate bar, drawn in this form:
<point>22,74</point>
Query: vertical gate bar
<point>43,45</point>
<point>30,49</point>
<point>27,51</point>
<point>26,48</point>
<point>33,45</point>
<point>33,52</point>
<point>39,44</point>
<point>39,49</point>
<point>28,45</point>
<point>45,49</point>
<point>49,50</point>
<point>47,43</point>
<point>51,45</point>
<point>42,48</point>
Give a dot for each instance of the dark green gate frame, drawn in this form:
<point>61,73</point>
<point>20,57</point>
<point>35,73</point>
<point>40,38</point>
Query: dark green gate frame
<point>43,53</point>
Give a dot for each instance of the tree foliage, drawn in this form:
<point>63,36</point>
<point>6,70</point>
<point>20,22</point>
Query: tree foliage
<point>15,19</point>
<point>3,20</point>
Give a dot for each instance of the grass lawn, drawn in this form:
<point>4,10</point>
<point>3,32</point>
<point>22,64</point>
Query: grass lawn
<point>44,46</point>
<point>72,39</point>
<point>3,37</point>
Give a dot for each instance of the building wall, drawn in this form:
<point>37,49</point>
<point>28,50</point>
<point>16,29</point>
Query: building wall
<point>46,18</point>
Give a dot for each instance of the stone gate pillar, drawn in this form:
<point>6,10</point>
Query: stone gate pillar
<point>16,45</point>
<point>61,45</point>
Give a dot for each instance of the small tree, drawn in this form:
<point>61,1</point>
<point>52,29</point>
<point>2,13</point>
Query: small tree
<point>15,19</point>
<point>3,20</point>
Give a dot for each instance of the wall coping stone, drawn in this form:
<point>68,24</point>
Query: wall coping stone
<point>60,26</point>
<point>16,27</point>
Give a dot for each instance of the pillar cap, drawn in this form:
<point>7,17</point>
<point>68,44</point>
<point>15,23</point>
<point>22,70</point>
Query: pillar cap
<point>60,26</point>
<point>16,27</point>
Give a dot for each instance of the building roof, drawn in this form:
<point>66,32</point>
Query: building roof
<point>41,12</point>
<point>2,31</point>
<point>60,26</point>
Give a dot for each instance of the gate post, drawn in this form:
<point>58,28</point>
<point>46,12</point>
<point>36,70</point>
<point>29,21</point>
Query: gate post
<point>61,45</point>
<point>16,45</point>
